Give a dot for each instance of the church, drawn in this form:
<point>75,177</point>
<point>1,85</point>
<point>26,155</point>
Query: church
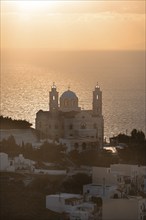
<point>65,122</point>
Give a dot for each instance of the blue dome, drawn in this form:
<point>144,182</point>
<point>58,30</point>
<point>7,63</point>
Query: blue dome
<point>68,95</point>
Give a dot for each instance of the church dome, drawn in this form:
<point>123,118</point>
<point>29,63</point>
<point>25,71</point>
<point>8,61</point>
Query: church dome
<point>69,101</point>
<point>68,95</point>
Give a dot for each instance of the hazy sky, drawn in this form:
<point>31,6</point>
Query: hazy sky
<point>77,25</point>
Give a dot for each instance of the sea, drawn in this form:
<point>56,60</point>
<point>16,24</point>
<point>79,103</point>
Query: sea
<point>28,74</point>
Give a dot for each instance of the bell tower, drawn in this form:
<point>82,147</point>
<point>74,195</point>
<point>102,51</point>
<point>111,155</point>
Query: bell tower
<point>53,99</point>
<point>97,101</point>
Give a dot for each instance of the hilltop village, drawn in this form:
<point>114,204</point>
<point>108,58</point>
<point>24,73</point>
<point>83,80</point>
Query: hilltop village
<point>65,169</point>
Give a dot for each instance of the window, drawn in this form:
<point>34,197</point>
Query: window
<point>83,125</point>
<point>70,126</point>
<point>97,97</point>
<point>115,196</point>
<point>53,97</point>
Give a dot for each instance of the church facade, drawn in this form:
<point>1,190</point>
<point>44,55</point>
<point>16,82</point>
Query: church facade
<point>67,123</point>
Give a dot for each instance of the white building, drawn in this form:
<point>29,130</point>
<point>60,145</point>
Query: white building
<point>145,184</point>
<point>21,163</point>
<point>71,126</point>
<point>101,191</point>
<point>72,205</point>
<point>125,170</point>
<point>16,163</point>
<point>128,178</point>
<point>142,170</point>
<point>85,211</point>
<point>103,176</point>
<point>4,162</point>
<point>132,174</point>
<point>141,180</point>
<point>132,208</point>
<point>63,202</point>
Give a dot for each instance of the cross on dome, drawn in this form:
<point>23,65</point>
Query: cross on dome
<point>53,86</point>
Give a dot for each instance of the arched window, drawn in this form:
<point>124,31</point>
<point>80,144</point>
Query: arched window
<point>83,125</point>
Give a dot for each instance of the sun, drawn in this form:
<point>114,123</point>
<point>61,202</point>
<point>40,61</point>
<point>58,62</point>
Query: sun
<point>27,6</point>
<point>30,6</point>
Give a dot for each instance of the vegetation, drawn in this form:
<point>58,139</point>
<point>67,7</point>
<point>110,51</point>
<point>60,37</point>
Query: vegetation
<point>74,184</point>
<point>135,151</point>
<point>9,123</point>
<point>93,158</point>
<point>48,152</point>
<point>26,202</point>
<point>135,137</point>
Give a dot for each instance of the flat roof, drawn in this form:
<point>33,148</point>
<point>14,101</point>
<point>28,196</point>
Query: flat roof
<point>65,195</point>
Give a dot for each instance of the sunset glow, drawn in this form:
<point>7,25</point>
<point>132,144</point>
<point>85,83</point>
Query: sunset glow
<point>72,118</point>
<point>73,25</point>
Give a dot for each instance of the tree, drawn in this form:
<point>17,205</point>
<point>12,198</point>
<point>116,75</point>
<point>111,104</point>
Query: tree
<point>9,123</point>
<point>137,136</point>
